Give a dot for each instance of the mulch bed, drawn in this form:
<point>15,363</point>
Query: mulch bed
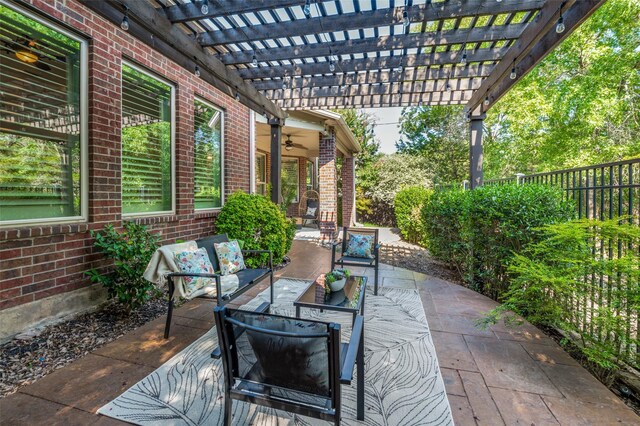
<point>32,356</point>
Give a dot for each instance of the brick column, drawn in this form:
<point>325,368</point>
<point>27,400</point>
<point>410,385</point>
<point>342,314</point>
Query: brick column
<point>348,191</point>
<point>328,185</point>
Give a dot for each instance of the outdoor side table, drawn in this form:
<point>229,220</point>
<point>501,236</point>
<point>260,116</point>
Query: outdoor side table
<point>349,299</point>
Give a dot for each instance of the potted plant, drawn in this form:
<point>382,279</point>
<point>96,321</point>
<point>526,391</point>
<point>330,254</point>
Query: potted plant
<point>336,279</point>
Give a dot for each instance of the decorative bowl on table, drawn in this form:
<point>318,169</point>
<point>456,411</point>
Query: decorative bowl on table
<point>335,280</point>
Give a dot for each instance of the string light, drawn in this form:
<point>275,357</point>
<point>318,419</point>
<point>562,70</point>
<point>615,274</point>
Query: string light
<point>332,66</point>
<point>307,8</point>
<point>237,96</point>
<point>197,71</point>
<point>125,19</point>
<point>405,18</point>
<point>560,26</point>
<point>463,60</point>
<point>448,87</point>
<point>254,60</point>
<point>284,84</point>
<point>486,101</point>
<point>513,74</point>
<point>204,7</point>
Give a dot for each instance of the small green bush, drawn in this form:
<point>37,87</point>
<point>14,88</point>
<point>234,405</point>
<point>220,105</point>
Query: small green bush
<point>564,279</point>
<point>407,206</point>
<point>259,224</point>
<point>444,217</point>
<point>502,220</point>
<point>130,251</point>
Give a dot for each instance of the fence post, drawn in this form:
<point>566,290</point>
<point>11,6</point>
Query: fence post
<point>519,177</point>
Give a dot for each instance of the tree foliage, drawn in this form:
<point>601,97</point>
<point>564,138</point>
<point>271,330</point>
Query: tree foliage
<point>361,125</point>
<point>439,134</point>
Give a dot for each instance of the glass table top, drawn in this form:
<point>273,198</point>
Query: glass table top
<point>347,299</point>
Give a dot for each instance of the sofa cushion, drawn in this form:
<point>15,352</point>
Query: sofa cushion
<point>360,246</point>
<point>229,257</point>
<point>194,262</point>
<point>207,243</point>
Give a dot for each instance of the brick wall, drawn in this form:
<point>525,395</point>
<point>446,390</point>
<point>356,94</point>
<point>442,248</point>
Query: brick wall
<point>328,185</point>
<point>348,199</point>
<point>42,261</point>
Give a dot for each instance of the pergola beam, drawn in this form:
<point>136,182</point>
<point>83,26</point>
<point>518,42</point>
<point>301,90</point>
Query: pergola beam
<point>372,101</point>
<point>577,14</point>
<point>191,11</point>
<point>376,89</point>
<point>377,44</point>
<point>153,28</point>
<point>366,19</point>
<point>387,62</point>
<point>379,77</point>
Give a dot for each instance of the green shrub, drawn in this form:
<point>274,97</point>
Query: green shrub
<point>502,220</point>
<point>407,206</point>
<point>444,217</point>
<point>130,251</point>
<point>259,224</point>
<point>564,279</point>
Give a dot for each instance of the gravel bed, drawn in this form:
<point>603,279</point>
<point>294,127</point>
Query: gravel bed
<point>35,354</point>
<point>410,256</point>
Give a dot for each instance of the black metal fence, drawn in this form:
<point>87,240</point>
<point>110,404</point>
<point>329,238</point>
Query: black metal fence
<point>603,191</point>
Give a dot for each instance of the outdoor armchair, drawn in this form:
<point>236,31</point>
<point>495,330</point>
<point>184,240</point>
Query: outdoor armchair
<point>372,260</point>
<point>288,363</point>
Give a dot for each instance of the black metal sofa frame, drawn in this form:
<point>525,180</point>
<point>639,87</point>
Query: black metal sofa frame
<point>248,278</point>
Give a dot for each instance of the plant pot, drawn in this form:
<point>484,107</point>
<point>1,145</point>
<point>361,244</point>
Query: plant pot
<point>337,285</point>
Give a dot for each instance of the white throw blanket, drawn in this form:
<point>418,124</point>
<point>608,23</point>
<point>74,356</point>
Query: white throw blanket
<point>163,262</point>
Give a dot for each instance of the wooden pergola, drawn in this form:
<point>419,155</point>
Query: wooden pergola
<point>304,54</point>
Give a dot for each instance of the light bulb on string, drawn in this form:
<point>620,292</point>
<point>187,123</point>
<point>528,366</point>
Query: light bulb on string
<point>307,8</point>
<point>204,7</point>
<point>560,26</point>
<point>332,66</point>
<point>463,60</point>
<point>486,101</point>
<point>513,74</point>
<point>254,60</point>
<point>125,20</point>
<point>197,71</point>
<point>405,19</point>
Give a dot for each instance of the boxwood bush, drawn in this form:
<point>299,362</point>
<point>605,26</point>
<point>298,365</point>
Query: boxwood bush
<point>479,231</point>
<point>259,224</point>
<point>407,206</point>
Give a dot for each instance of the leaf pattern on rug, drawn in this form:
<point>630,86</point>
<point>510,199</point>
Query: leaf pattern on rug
<point>403,385</point>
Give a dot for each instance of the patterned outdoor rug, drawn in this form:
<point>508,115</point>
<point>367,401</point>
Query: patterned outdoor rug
<point>403,385</point>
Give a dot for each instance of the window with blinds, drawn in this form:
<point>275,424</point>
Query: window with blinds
<point>208,156</point>
<point>289,180</point>
<point>309,175</point>
<point>42,92</point>
<point>261,173</point>
<point>146,143</point>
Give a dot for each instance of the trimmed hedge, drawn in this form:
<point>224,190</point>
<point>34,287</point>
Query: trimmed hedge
<point>407,206</point>
<point>259,224</point>
<point>479,231</point>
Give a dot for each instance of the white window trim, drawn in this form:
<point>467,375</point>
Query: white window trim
<point>296,160</point>
<point>84,124</point>
<point>151,74</point>
<point>252,150</point>
<point>265,170</point>
<point>222,148</point>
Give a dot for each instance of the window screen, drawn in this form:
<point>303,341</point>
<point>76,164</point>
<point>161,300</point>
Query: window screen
<point>208,156</point>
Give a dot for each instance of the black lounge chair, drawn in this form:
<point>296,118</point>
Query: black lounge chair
<point>346,260</point>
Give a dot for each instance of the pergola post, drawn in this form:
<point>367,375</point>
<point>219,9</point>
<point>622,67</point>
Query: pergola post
<point>475,150</point>
<point>276,158</point>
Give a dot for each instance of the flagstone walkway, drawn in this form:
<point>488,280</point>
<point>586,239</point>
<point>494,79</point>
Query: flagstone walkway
<point>493,377</point>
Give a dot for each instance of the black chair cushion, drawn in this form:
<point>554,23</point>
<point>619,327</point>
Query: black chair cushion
<point>248,276</point>
<point>297,363</point>
<point>207,243</point>
<point>312,204</point>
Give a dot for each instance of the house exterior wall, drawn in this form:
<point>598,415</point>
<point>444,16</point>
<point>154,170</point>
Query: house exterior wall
<point>348,196</point>
<point>39,262</point>
<point>328,185</point>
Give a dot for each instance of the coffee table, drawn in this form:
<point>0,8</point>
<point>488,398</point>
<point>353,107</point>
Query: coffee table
<point>349,299</point>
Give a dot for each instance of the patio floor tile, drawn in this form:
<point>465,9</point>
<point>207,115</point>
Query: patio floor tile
<point>26,410</point>
<point>549,354</point>
<point>396,274</point>
<point>507,365</point>
<point>147,346</point>
<point>461,410</point>
<point>452,351</point>
<point>483,406</point>
<point>398,283</point>
<point>452,381</point>
<point>88,383</point>
<point>578,413</point>
<point>521,408</point>
<point>576,383</point>
<point>460,324</point>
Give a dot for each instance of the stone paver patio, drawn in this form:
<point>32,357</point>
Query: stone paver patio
<point>493,377</point>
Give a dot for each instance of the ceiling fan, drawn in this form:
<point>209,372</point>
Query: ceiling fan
<point>28,51</point>
<point>289,145</point>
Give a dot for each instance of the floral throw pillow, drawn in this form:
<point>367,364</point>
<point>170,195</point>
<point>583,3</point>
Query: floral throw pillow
<point>230,257</point>
<point>359,246</point>
<point>194,262</point>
